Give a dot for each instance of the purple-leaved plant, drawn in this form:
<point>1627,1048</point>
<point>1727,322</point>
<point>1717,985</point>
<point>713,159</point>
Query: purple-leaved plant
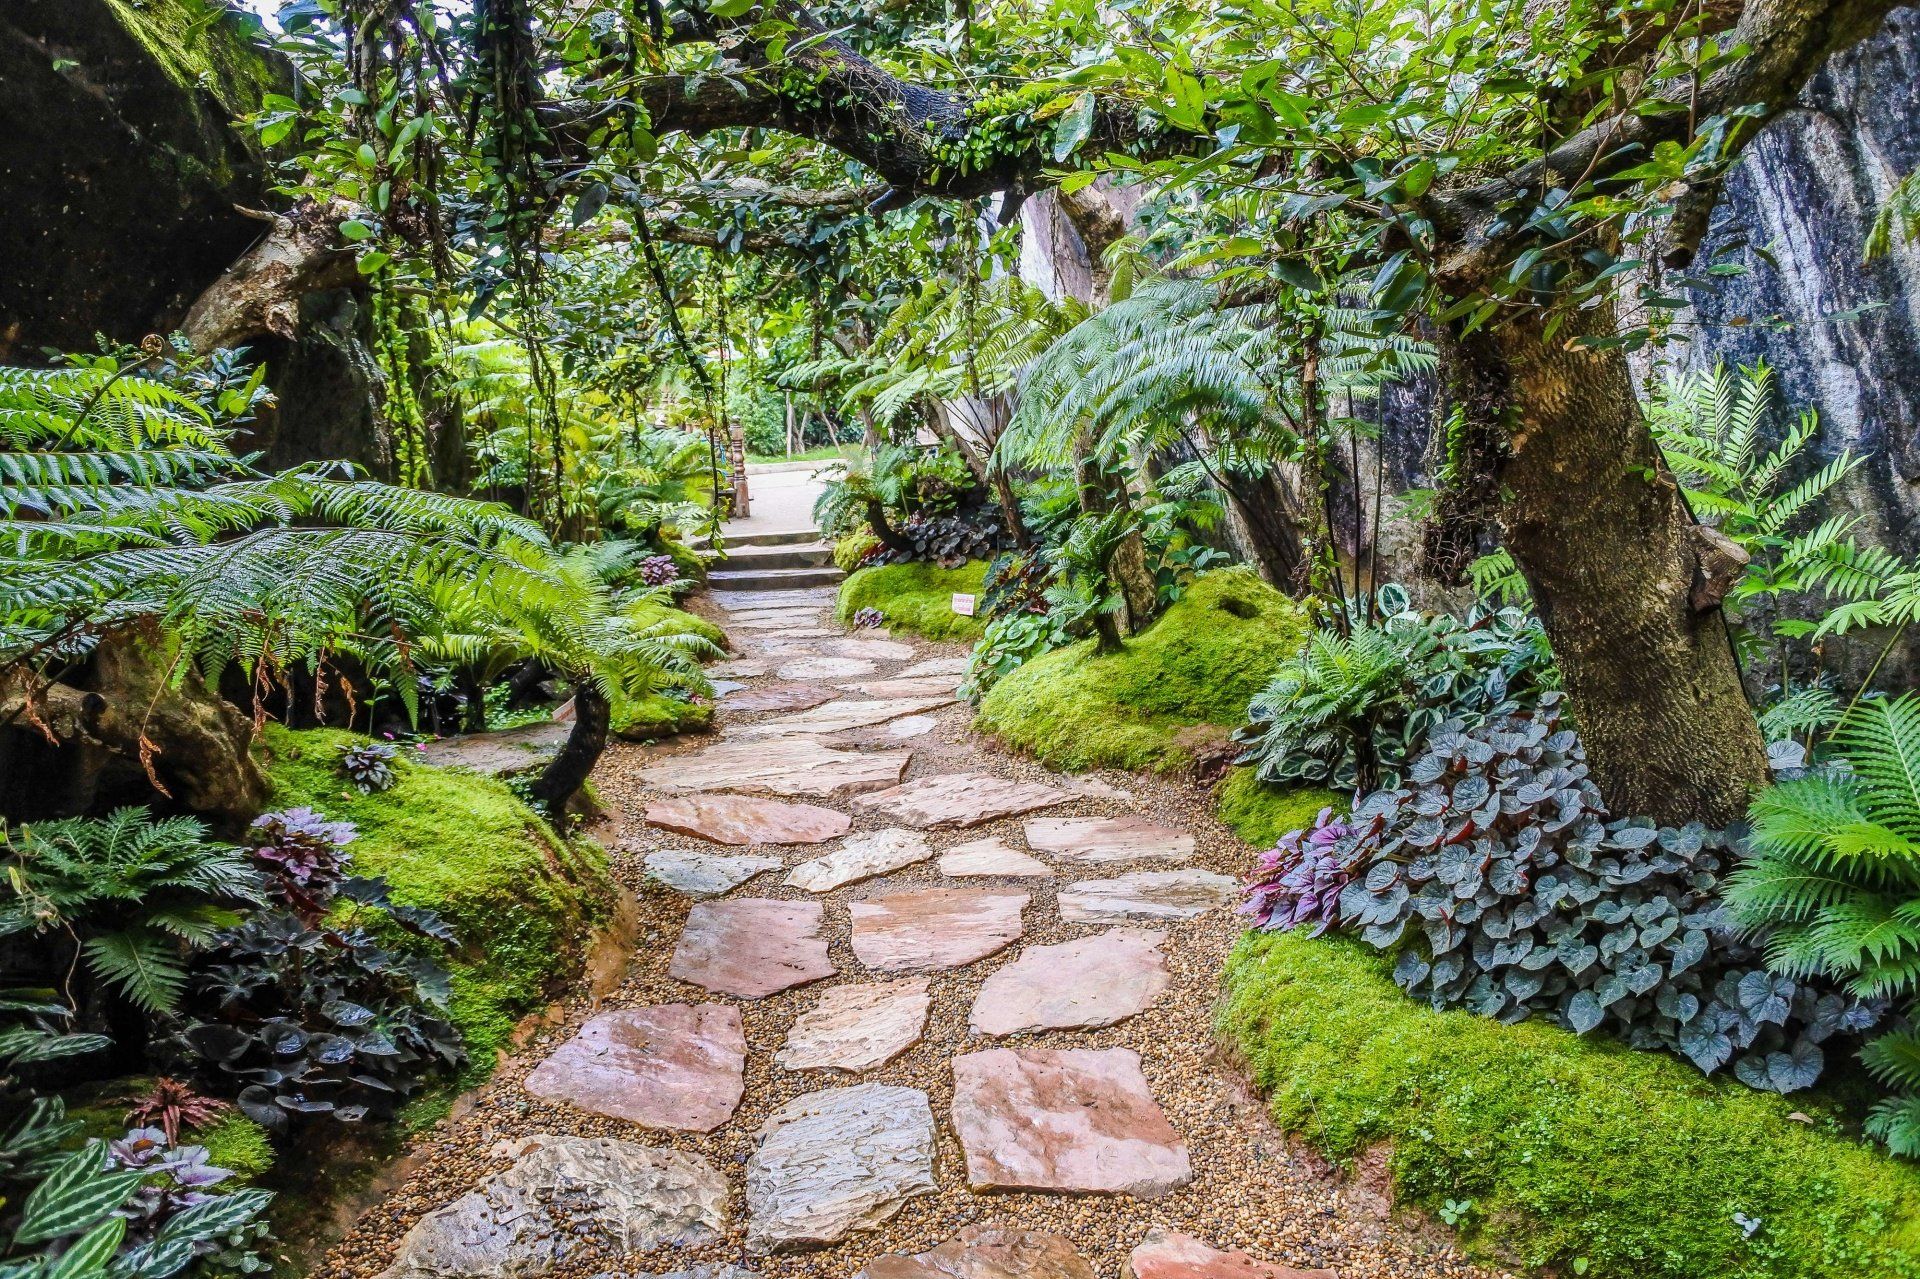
<point>1300,879</point>
<point>301,853</point>
<point>659,570</point>
<point>869,618</point>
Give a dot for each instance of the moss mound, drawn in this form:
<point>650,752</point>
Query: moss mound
<point>1260,812</point>
<point>1198,665</point>
<point>1578,1154</point>
<point>916,597</point>
<point>648,614</point>
<point>521,900</point>
<point>662,716</point>
<point>236,1143</point>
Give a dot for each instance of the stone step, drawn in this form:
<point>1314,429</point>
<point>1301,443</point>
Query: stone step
<point>784,537</point>
<point>786,555</point>
<point>773,579</point>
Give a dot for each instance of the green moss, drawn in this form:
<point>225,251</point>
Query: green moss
<point>237,1143</point>
<point>916,597</point>
<point>689,563</point>
<point>1198,665</point>
<point>851,549</point>
<point>1260,812</point>
<point>521,900</point>
<point>1577,1154</point>
<point>662,716</point>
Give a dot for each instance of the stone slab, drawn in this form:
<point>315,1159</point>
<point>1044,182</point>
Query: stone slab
<point>825,668</point>
<point>861,857</point>
<point>833,1162</point>
<point>934,929</point>
<point>858,1027</point>
<point>987,1252</point>
<point>790,767</point>
<point>932,686</point>
<point>845,713</point>
<point>562,1196</point>
<point>959,799</point>
<point>1096,841</point>
<point>741,668</point>
<point>752,947</point>
<point>512,750</point>
<point>699,874</point>
<point>992,857</point>
<point>1146,894</point>
<point>674,1066</point>
<point>1074,1120</point>
<point>781,696</point>
<point>955,666</point>
<point>747,819</point>
<point>1166,1254</point>
<point>884,650</point>
<point>1082,984</point>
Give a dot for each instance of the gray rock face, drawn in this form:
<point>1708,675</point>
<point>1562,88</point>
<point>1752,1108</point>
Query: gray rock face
<point>1146,894</point>
<point>858,1027</point>
<point>836,1161</point>
<point>705,874</point>
<point>562,1196</point>
<point>861,857</point>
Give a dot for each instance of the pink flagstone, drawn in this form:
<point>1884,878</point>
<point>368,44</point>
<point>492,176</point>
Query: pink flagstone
<point>934,928</point>
<point>1077,985</point>
<point>1095,840</point>
<point>752,947</point>
<point>987,1252</point>
<point>1165,1254</point>
<point>959,799</point>
<point>747,819</point>
<point>673,1066</point>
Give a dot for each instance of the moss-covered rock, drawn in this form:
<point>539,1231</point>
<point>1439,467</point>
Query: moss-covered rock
<point>522,901</point>
<point>662,716</point>
<point>1260,812</point>
<point>1578,1154</point>
<point>916,598</point>
<point>1183,682</point>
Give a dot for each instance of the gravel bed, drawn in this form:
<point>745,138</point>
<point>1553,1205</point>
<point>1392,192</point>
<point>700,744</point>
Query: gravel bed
<point>1253,1188</point>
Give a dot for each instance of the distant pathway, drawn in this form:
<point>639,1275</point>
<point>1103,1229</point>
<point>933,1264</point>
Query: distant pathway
<point>900,1004</point>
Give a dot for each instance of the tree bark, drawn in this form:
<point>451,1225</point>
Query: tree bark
<point>301,253</point>
<point>568,770</point>
<point>1605,540</point>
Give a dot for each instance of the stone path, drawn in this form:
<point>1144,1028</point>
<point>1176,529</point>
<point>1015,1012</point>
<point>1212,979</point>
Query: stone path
<point>900,1007</point>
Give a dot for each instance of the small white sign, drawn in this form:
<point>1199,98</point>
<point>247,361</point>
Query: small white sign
<point>963,605</point>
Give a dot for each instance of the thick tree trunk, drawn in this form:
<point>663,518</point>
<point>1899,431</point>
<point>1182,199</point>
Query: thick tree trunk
<point>883,528</point>
<point>568,771</point>
<point>1605,540</point>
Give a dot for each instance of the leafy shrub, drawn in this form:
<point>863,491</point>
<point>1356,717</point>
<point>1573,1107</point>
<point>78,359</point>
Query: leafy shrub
<point>1301,878</point>
<point>1009,642</point>
<point>1832,879</point>
<point>1357,702</point>
<point>302,1009</point>
<point>368,765</point>
<point>170,1105</point>
<point>135,893</point>
<point>138,1208</point>
<point>946,540</point>
<point>1498,880</point>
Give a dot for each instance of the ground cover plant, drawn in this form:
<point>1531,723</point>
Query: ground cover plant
<point>914,598</point>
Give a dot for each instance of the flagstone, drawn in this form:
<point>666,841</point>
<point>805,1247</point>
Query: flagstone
<point>858,1027</point>
<point>935,928</point>
<point>1167,1254</point>
<point>1081,984</point>
<point>987,1252</point>
<point>1147,894</point>
<point>752,947</point>
<point>698,874</point>
<point>673,1066</point>
<point>836,1161</point>
<point>791,766</point>
<point>740,668</point>
<point>935,666</point>
<point>944,686</point>
<point>825,668</point>
<point>747,819</point>
<point>861,857</point>
<point>987,857</point>
<point>884,650</point>
<point>781,696</point>
<point>833,717</point>
<point>1078,1120</point>
<point>808,623</point>
<point>959,799</point>
<point>1097,840</point>
<point>562,1195</point>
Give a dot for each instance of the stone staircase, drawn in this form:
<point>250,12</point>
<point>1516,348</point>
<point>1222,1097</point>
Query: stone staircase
<point>791,560</point>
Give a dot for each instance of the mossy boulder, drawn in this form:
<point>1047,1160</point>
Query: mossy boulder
<point>661,716</point>
<point>916,598</point>
<point>522,901</point>
<point>1260,812</point>
<point>1581,1155</point>
<point>1176,689</point>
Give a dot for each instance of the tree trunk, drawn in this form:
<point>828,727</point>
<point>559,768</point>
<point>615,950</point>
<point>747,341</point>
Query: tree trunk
<point>883,528</point>
<point>568,771</point>
<point>1614,558</point>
